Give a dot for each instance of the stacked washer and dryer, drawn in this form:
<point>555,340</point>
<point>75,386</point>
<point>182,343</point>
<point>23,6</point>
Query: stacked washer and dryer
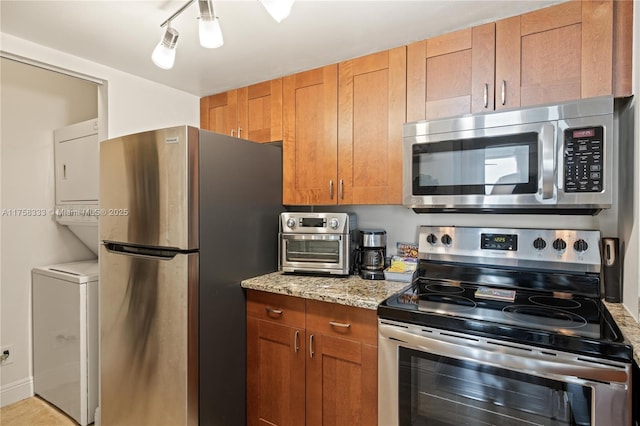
<point>65,296</point>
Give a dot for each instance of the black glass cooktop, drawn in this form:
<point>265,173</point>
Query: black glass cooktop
<point>563,316</point>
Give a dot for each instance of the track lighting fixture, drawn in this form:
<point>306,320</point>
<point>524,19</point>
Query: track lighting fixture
<point>208,28</point>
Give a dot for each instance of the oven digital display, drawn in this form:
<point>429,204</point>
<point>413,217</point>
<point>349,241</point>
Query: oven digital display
<point>508,242</point>
<point>312,222</point>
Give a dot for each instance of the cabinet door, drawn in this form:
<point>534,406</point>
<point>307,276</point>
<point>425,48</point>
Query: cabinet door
<point>219,113</point>
<point>275,374</point>
<point>310,117</point>
<point>342,365</point>
<point>341,382</point>
<point>77,161</point>
<point>451,74</point>
<point>555,54</point>
<point>260,111</point>
<point>372,104</point>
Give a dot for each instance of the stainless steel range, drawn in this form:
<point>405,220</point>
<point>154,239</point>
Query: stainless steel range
<point>503,326</point>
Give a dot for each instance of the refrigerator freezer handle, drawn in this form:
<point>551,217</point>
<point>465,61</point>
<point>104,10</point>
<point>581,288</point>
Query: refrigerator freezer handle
<point>137,251</point>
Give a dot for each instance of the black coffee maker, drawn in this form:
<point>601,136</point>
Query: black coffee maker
<point>372,253</point>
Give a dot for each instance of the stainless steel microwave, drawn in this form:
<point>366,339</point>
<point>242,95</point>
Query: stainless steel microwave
<point>548,159</point>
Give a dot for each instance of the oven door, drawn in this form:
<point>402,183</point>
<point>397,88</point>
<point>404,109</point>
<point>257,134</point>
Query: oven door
<point>429,376</point>
<point>498,167</point>
<point>315,253</point>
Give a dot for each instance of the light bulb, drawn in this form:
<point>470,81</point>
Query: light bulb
<point>164,55</point>
<point>278,9</point>
<point>210,33</point>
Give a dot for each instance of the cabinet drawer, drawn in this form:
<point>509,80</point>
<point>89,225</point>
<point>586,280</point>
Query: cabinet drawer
<point>283,309</point>
<point>342,321</point>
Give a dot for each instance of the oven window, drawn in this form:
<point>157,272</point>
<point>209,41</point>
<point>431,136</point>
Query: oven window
<point>437,390</point>
<point>488,165</point>
<point>315,251</point>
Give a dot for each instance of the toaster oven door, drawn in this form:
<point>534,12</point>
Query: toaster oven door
<point>313,253</point>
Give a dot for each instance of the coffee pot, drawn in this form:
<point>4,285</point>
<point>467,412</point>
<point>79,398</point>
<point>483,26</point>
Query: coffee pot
<point>372,253</point>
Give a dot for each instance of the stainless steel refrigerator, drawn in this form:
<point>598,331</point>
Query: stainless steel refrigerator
<point>186,214</point>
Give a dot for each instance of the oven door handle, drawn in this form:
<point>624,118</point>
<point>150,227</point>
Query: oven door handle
<point>311,237</point>
<point>497,356</point>
<point>547,161</point>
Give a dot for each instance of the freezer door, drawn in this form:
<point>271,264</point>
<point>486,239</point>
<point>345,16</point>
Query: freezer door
<point>148,188</point>
<point>149,330</point>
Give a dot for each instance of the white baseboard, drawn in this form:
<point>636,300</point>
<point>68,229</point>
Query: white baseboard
<point>16,391</point>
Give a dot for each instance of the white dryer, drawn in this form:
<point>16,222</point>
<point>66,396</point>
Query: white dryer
<point>65,337</point>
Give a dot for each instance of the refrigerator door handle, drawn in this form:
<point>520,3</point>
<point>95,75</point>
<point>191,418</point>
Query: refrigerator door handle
<point>137,251</point>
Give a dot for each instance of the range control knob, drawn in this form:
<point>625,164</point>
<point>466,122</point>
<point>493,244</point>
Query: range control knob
<point>580,245</point>
<point>446,239</point>
<point>291,223</point>
<point>559,244</point>
<point>432,239</point>
<point>334,223</point>
<point>539,244</point>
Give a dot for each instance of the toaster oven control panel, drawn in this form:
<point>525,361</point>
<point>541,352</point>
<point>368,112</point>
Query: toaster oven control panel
<point>317,223</point>
<point>583,159</point>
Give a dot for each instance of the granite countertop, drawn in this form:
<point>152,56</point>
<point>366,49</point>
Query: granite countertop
<point>629,326</point>
<point>354,291</point>
<point>350,291</point>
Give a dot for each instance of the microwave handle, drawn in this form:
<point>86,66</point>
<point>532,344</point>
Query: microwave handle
<point>547,136</point>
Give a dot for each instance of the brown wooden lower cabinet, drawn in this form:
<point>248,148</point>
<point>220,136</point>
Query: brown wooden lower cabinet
<point>319,368</point>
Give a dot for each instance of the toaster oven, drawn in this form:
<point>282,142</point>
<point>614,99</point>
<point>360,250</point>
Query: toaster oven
<point>316,243</point>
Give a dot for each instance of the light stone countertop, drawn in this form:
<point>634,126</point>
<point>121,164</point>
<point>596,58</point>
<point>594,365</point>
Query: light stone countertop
<point>629,326</point>
<point>350,291</point>
<point>354,291</point>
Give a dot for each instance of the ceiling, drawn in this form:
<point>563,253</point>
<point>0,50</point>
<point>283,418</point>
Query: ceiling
<point>122,34</point>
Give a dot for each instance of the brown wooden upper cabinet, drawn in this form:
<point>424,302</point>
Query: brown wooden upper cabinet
<point>253,112</point>
<point>451,74</point>
<point>577,49</point>
<point>555,54</point>
<point>343,132</point>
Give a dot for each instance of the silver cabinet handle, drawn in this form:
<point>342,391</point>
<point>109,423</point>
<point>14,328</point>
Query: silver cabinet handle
<point>239,132</point>
<point>295,342</point>
<point>341,189</point>
<point>340,324</point>
<point>311,346</point>
<point>233,132</point>
<point>271,310</point>
<point>331,189</point>
<point>503,92</point>
<point>547,136</point>
<point>485,95</point>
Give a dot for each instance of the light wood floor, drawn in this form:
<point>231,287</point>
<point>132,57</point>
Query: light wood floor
<point>33,412</point>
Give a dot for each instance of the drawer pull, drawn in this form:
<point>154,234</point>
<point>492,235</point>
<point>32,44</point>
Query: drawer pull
<point>273,311</point>
<point>339,324</point>
<point>295,341</point>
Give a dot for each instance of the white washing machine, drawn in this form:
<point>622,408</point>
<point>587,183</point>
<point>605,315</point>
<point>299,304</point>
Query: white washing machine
<point>65,337</point>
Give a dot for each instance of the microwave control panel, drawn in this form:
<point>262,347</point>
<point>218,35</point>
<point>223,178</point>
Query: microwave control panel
<point>583,159</point>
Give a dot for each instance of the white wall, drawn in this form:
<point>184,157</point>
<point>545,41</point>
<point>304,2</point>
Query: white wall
<point>31,110</point>
<point>128,103</point>
<point>34,102</point>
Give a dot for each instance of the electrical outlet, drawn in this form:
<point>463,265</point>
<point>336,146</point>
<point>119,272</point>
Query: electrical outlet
<point>6,355</point>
